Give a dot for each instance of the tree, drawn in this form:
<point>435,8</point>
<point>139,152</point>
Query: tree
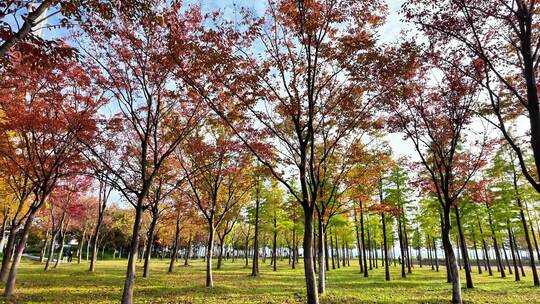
<point>221,181</point>
<point>434,116</point>
<point>499,37</point>
<point>154,111</point>
<point>48,105</point>
<point>310,90</point>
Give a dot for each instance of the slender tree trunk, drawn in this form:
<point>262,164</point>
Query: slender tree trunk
<point>452,263</point>
<point>274,245</point>
<point>468,277</point>
<point>62,240</point>
<point>495,244</point>
<point>311,284</point>
<point>127,295</point>
<point>150,243</point>
<point>51,249</point>
<point>401,247</point>
<point>10,284</point>
<point>476,254</point>
<point>321,257</point>
<point>338,260</point>
<point>94,241</point>
<point>255,263</point>
<point>209,251</point>
<point>43,250</point>
<point>518,254</point>
<point>436,257</point>
<point>220,252</point>
<point>385,249</point>
<point>407,247</point>
<point>363,240</point>
<point>326,257</point>
<point>293,265</point>
<point>81,246</point>
<point>174,253</point>
<point>8,251</point>
<point>358,245</point>
<point>484,246</point>
<point>188,251</point>
<point>332,250</point>
<point>512,250</point>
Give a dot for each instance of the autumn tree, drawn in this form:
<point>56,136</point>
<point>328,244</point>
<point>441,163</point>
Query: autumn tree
<point>152,110</point>
<point>221,178</point>
<point>309,89</point>
<point>48,105</point>
<point>434,116</point>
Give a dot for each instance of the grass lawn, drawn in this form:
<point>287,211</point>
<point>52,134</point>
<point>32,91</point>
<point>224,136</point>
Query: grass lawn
<point>74,284</point>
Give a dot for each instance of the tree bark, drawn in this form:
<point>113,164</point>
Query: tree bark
<point>495,244</point>
<point>127,295</point>
<point>512,248</point>
<point>311,284</point>
<point>255,262</point>
<point>209,251</point>
<point>8,252</point>
<point>401,247</point>
<point>357,234</point>
<point>385,249</point>
<point>363,240</point>
<point>468,277</point>
<point>484,246</point>
<point>10,284</point>
<point>452,263</point>
<point>322,257</point>
<point>150,243</point>
<point>174,253</point>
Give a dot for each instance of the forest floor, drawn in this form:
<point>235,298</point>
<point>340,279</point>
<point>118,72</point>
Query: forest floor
<point>74,284</point>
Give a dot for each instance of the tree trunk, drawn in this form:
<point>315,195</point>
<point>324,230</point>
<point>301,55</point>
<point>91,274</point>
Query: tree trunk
<point>337,251</point>
<point>94,240</point>
<point>295,247</point>
<point>484,246</point>
<point>452,263</point>
<point>322,257</point>
<point>512,248</point>
<point>407,247</point>
<point>209,250</point>
<point>10,284</point>
<point>188,251</point>
<point>149,244</point>
<point>476,254</point>
<point>274,245</point>
<point>62,240</point>
<point>8,252</point>
<point>436,257</point>
<point>326,257</point>
<point>468,277</point>
<point>401,247</point>
<point>518,256</point>
<point>174,253</point>
<point>43,248</point>
<point>51,250</point>
<point>127,295</point>
<point>332,250</point>
<point>220,252</point>
<point>363,240</point>
<point>81,246</point>
<point>357,234</point>
<point>385,249</point>
<point>255,262</point>
<point>495,244</point>
<point>311,284</point>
